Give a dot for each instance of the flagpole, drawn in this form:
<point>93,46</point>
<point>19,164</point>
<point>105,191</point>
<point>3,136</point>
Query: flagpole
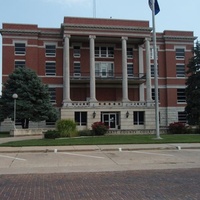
<point>155,73</point>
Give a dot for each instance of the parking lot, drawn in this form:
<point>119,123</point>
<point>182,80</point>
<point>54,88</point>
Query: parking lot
<point>97,161</point>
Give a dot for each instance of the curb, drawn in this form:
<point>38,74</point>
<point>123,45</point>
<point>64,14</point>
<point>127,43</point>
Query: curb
<point>51,150</point>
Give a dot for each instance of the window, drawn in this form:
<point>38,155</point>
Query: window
<point>129,52</point>
<point>181,98</point>
<point>81,118</point>
<point>50,50</point>
<point>182,117</point>
<point>138,118</point>
<point>50,123</point>
<point>20,63</point>
<point>152,53</point>
<point>152,70</point>
<point>18,122</point>
<point>130,69</point>
<point>77,51</point>
<point>180,70</point>
<point>153,94</point>
<point>52,93</point>
<point>50,69</point>
<point>104,52</point>
<point>20,48</point>
<point>77,69</point>
<point>104,69</point>
<point>110,52</point>
<point>180,53</point>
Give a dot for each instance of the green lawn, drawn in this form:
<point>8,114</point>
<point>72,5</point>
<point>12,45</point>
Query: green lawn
<point>116,139</point>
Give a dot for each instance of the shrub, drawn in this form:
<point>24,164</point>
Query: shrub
<point>51,134</point>
<point>66,128</point>
<point>99,128</point>
<point>177,128</point>
<point>86,132</point>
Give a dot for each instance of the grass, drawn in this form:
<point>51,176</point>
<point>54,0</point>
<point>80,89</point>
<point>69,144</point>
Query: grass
<point>106,140</point>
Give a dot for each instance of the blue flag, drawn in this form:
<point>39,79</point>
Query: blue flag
<point>157,8</point>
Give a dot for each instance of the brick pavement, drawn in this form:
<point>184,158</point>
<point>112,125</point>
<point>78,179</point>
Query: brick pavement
<point>180,184</point>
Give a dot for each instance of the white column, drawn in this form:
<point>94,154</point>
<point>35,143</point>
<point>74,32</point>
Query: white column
<point>92,69</point>
<point>141,72</point>
<point>66,70</point>
<point>148,70</point>
<point>124,70</point>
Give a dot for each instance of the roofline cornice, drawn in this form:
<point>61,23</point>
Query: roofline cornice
<point>168,37</point>
<point>31,32</point>
<point>104,27</point>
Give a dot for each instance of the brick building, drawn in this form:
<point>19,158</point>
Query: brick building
<point>102,69</point>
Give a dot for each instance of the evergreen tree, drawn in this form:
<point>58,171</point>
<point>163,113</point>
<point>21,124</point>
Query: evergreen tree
<point>193,88</point>
<point>33,102</point>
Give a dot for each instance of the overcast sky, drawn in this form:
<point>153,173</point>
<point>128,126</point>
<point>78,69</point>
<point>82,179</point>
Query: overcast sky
<point>174,14</point>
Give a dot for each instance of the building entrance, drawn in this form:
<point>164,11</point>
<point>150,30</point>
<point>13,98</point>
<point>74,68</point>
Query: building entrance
<point>110,120</point>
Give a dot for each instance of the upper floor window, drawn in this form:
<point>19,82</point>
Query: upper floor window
<point>181,97</point>
<point>152,53</point>
<point>50,69</point>
<point>20,63</point>
<point>110,52</point>
<point>130,69</point>
<point>129,52</point>
<point>77,69</point>
<point>153,94</point>
<point>20,48</point>
<point>52,93</point>
<point>104,69</point>
<point>50,50</point>
<point>180,53</point>
<point>180,70</point>
<point>152,70</point>
<point>104,52</point>
<point>77,51</point>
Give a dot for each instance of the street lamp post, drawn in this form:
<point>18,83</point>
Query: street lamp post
<point>14,96</point>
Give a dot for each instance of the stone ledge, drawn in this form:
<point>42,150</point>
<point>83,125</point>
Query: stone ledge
<point>27,132</point>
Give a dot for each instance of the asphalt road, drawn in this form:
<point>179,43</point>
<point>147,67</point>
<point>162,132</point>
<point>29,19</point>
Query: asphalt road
<point>97,161</point>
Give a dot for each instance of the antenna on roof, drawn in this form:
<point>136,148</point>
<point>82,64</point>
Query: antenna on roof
<point>94,8</point>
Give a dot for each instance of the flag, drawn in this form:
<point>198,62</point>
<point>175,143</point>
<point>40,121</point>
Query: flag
<point>157,8</point>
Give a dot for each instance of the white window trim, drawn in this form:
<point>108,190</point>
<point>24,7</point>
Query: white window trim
<point>50,43</point>
<point>107,54</point>
<point>77,62</point>
<point>19,61</point>
<point>152,52</point>
<point>130,75</point>
<point>184,70</point>
<point>180,47</point>
<point>45,68</point>
<point>76,45</point>
<point>20,41</point>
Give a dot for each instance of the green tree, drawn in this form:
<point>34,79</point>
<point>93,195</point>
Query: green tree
<point>33,102</point>
<point>193,87</point>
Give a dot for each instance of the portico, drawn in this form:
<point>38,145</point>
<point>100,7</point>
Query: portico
<point>119,63</point>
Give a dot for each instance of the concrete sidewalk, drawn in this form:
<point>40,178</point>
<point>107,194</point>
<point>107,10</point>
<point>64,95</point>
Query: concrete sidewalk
<point>119,147</point>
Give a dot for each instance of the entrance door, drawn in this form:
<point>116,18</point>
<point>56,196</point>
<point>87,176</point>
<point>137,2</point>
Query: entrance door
<point>110,120</point>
